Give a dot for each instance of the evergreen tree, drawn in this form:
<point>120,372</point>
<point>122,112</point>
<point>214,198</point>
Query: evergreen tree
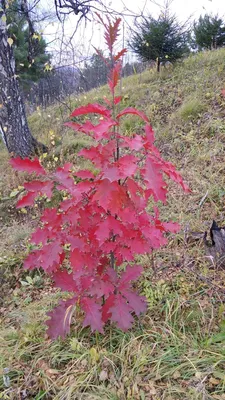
<point>209,32</point>
<point>159,39</point>
<point>29,47</point>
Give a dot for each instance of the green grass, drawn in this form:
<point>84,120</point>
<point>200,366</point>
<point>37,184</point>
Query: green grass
<point>177,350</point>
<point>170,352</point>
<point>191,109</point>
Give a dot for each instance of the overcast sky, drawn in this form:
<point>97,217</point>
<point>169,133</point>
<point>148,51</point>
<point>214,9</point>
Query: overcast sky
<point>183,9</point>
<point>92,33</point>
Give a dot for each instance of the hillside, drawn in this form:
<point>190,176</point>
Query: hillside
<point>176,351</point>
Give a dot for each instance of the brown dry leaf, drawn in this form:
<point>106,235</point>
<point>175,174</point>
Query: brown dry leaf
<point>84,363</point>
<point>176,375</point>
<point>103,376</point>
<point>52,371</point>
<point>112,379</point>
<point>152,390</point>
<point>214,381</point>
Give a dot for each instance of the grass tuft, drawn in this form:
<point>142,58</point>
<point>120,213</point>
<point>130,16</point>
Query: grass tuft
<point>191,109</point>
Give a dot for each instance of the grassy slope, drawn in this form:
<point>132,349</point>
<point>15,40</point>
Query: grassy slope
<point>177,350</point>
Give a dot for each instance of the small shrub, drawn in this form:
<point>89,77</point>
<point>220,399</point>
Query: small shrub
<point>89,243</point>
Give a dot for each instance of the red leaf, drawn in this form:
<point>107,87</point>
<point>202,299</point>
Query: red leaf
<point>63,177</point>
<point>102,129</point>
<point>117,100</point>
<point>91,108</point>
<point>68,166</point>
<point>64,281</point>
<point>223,92</point>
<point>33,260</point>
<point>120,54</point>
<point>131,274</point>
<point>136,302</point>
<point>172,227</point>
<point>27,165</point>
<point>100,154</point>
<point>154,180</point>
<point>104,190</point>
<point>77,259</point>
<point>111,31</point>
<point>50,256</point>
<point>101,288</point>
<point>106,229</point>
<point>121,169</point>
<point>109,303</point>
<point>127,165</point>
<point>135,143</point>
<point>59,324</point>
<point>121,313</point>
<point>76,242</point>
<point>114,76</point>
<point>40,187</point>
<point>118,199</point>
<point>27,200</point>
<point>111,172</point>
<point>131,110</point>
<point>93,314</point>
<point>149,135</point>
<point>170,170</point>
<point>136,193</point>
<point>51,216</point>
<point>111,195</point>
<point>86,128</point>
<point>40,236</point>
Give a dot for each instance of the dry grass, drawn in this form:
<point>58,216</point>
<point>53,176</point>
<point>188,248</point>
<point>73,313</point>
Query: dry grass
<point>176,351</point>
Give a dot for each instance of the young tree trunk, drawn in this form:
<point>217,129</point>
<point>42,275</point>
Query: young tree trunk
<point>13,122</point>
<point>158,64</point>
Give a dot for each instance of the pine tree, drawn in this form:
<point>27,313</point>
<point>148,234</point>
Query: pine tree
<point>209,32</point>
<point>159,39</point>
<point>29,47</point>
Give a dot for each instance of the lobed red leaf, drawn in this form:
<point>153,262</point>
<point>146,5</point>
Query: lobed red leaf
<point>27,165</point>
<point>91,108</point>
<point>131,110</point>
<point>60,319</point>
<point>93,315</point>
<point>120,313</point>
<point>27,200</point>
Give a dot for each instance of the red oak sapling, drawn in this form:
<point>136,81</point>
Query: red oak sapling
<point>88,245</point>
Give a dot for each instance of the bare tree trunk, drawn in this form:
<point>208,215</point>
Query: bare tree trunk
<point>13,122</point>
<point>158,64</point>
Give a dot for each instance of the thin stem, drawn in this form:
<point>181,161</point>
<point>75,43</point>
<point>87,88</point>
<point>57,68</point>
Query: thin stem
<point>112,259</point>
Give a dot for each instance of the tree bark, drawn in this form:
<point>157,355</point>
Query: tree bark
<point>13,122</point>
<point>158,64</point>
